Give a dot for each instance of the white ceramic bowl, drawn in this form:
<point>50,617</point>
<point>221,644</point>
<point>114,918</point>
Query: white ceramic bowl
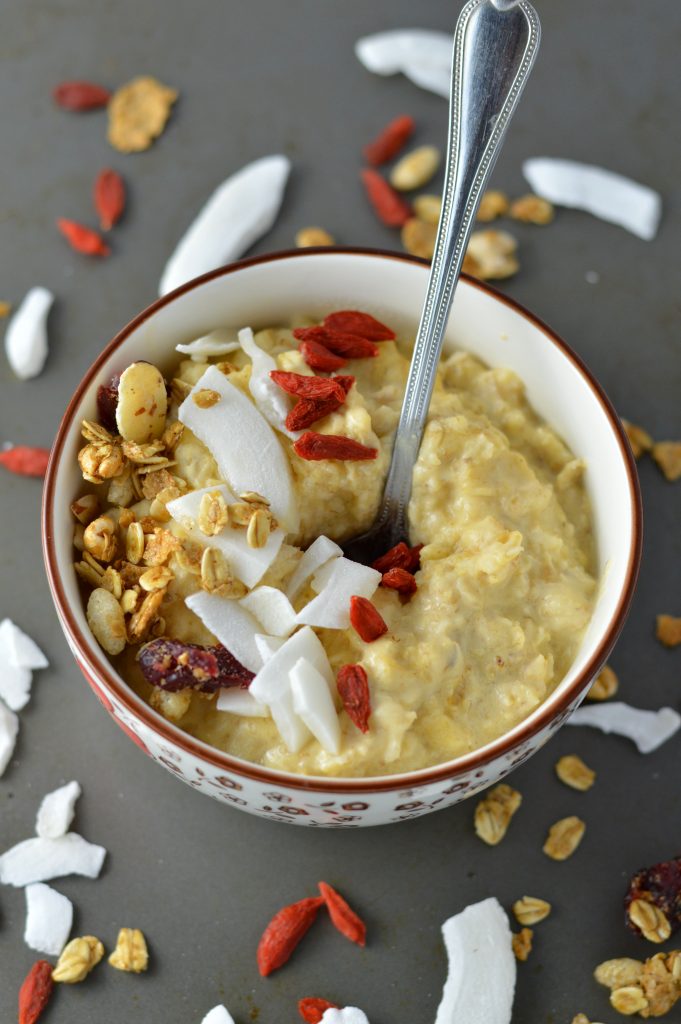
<point>271,289</point>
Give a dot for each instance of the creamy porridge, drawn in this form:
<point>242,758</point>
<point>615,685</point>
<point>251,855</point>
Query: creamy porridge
<point>481,621</point>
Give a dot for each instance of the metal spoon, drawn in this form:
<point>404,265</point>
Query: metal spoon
<point>495,45</point>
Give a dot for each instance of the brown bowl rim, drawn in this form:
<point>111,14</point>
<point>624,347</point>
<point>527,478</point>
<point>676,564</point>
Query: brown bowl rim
<point>374,784</point>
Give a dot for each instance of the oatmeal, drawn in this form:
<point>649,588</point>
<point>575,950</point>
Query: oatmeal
<point>217,526</point>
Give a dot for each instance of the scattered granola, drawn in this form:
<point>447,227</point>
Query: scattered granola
<point>494,812</point>
<point>531,910</point>
<point>313,236</point>
<point>604,686</point>
<point>131,952</point>
<point>418,237</point>
<point>639,439</point>
<point>78,958</point>
<point>571,770</point>
<point>138,113</point>
<point>493,204</point>
<point>564,837</point>
<point>5,308</point>
<point>428,208</point>
<point>522,944</point>
<point>649,920</point>
<point>667,455</point>
<point>668,630</point>
<point>651,988</point>
<point>415,169</point>
<point>532,210</point>
<point>491,255</point>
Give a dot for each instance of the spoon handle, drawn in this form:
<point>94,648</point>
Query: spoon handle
<point>495,45</point>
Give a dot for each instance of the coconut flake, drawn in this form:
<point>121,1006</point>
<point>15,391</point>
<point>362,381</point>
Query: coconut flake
<point>219,342</point>
<point>272,402</point>
<point>290,726</point>
<point>9,727</point>
<point>272,609</point>
<point>331,608</point>
<point>348,1015</point>
<point>26,337</point>
<point>233,626</point>
<point>424,56</point>
<point>312,702</point>
<point>38,860</point>
<point>218,1015</point>
<point>272,681</point>
<point>482,968</point>
<point>648,729</point>
<point>605,194</point>
<point>267,645</point>
<point>49,917</point>
<point>241,210</point>
<point>56,812</point>
<point>246,449</point>
<point>320,551</point>
<point>247,563</point>
<point>241,702</point>
<point>17,647</point>
<point>15,685</point>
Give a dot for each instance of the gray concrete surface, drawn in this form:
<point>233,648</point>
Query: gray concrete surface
<point>199,879</point>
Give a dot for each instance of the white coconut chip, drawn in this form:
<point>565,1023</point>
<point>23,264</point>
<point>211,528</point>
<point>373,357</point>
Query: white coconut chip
<point>246,449</point>
<point>234,627</point>
<point>9,728</point>
<point>648,729</point>
<point>272,402</point>
<point>348,1015</point>
<point>272,681</point>
<point>56,812</point>
<point>320,551</point>
<point>482,968</point>
<point>15,685</point>
<point>26,336</point>
<point>331,608</point>
<point>241,702</point>
<point>17,647</point>
<point>218,1015</point>
<point>290,726</point>
<point>267,645</point>
<point>272,609</point>
<point>424,56</point>
<point>219,342</point>
<point>313,704</point>
<point>49,917</point>
<point>38,860</point>
<point>607,195</point>
<point>241,210</point>
<point>247,563</point>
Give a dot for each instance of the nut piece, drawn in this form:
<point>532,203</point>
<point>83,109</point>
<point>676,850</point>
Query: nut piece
<point>143,619</point>
<point>99,538</point>
<point>78,958</point>
<point>564,837</point>
<point>494,812</point>
<point>492,205</point>
<point>668,630</point>
<point>156,578</point>
<point>532,210</point>
<point>531,910</point>
<point>604,685</point>
<point>138,112</point>
<point>491,255</point>
<point>213,514</point>
<point>415,169</point>
<point>428,208</point>
<point>142,403</point>
<point>173,706</point>
<point>574,773</point>
<point>105,619</point>
<point>131,952</point>
<point>522,944</point>
<point>258,529</point>
<point>307,237</point>
<point>639,439</point>
<point>418,237</point>
<point>619,972</point>
<point>628,1000</point>
<point>205,398</point>
<point>650,920</point>
<point>667,455</point>
<point>580,1018</point>
<point>134,543</point>
<point>86,509</point>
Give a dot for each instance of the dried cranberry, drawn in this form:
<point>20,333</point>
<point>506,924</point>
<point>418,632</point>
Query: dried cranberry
<point>172,665</point>
<point>661,886</point>
<point>107,400</point>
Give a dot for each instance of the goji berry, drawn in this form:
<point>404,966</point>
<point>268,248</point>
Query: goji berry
<point>400,580</point>
<point>399,557</point>
<point>83,239</point>
<point>353,687</point>
<point>109,198</point>
<point>284,932</point>
<point>312,1010</point>
<point>319,357</point>
<point>35,992</point>
<point>390,141</point>
<point>309,410</point>
<point>366,620</point>
<point>389,207</point>
<point>341,343</point>
<point>343,916</point>
<point>80,95</point>
<point>25,461</point>
<point>352,321</point>
<point>315,447</point>
<point>307,386</point>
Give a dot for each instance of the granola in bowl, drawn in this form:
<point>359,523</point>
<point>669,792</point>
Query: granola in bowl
<point>208,534</point>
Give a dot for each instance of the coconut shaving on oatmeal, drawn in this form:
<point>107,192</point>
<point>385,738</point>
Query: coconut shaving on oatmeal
<point>208,545</point>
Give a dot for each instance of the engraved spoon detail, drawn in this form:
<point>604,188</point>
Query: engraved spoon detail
<point>495,45</point>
